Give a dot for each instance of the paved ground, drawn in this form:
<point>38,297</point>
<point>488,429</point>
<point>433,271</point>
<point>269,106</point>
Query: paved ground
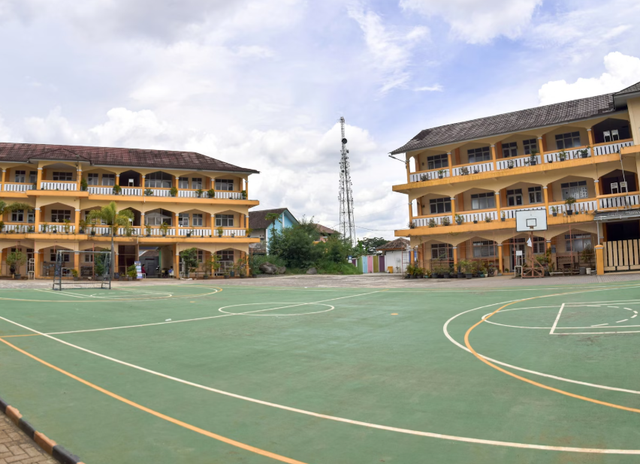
<point>17,448</point>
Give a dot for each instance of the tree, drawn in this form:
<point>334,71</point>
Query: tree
<point>113,218</point>
<point>190,259</point>
<point>15,259</point>
<point>369,246</point>
<point>336,249</point>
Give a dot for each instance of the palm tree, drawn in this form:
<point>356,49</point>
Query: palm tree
<point>113,218</point>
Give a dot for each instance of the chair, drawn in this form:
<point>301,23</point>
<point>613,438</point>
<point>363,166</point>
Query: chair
<point>614,188</point>
<point>623,187</point>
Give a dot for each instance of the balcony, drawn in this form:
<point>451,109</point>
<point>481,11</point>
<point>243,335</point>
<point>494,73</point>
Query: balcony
<point>516,164</point>
<point>17,186</point>
<point>59,185</point>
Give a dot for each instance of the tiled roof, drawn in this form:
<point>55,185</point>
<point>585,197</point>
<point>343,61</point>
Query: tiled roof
<point>515,121</point>
<point>106,156</point>
<point>631,89</point>
<point>325,230</point>
<point>258,220</point>
<point>397,244</point>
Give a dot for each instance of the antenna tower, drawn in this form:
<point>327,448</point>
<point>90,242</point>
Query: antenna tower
<point>345,195</point>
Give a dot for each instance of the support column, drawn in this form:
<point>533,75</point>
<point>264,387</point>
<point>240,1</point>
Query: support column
<point>597,186</point>
<point>541,149</point>
<point>410,213</point>
<point>450,161</point>
<point>545,191</point>
<point>408,166</point>
<point>498,206</point>
<point>142,185</point>
<point>36,264</point>
<point>177,226</point>
<point>4,175</point>
<point>246,187</point>
<point>548,245</point>
<point>590,137</point>
<point>78,179</point>
<point>39,182</point>
<point>493,157</point>
<point>76,262</point>
<point>118,179</point>
<point>455,258</point>
<point>500,259</point>
<point>37,220</point>
<point>453,209</point>
<point>142,225</point>
<point>248,269</point>
<point>176,261</point>
<point>177,185</point>
<point>77,222</point>
<point>599,259</point>
<point>213,225</point>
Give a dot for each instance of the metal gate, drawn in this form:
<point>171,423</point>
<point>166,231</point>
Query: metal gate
<point>622,255</point>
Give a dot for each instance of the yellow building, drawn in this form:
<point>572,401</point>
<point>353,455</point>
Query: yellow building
<point>203,201</point>
<point>466,180</point>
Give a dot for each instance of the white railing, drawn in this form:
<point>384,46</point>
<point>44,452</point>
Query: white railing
<point>132,191</point>
<point>480,217</point>
<point>510,163</point>
<point>160,192</point>
<point>58,227</point>
<point>474,168</point>
<point>157,232</point>
<point>424,222</point>
<point>69,186</point>
<point>100,190</point>
<point>430,175</point>
<point>580,206</point>
<point>229,195</point>
<point>569,155</point>
<point>620,201</point>
<point>232,232</point>
<point>201,232</point>
<point>17,187</point>
<point>19,228</point>
<point>192,194</point>
<point>134,231</point>
<point>610,148</point>
<point>511,213</point>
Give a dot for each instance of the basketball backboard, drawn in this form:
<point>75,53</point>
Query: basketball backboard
<point>531,220</point>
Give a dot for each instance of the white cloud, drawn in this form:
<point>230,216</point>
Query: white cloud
<point>5,132</point>
<point>430,88</point>
<point>391,51</point>
<point>478,21</point>
<point>620,71</point>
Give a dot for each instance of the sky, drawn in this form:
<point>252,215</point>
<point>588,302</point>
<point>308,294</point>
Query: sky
<point>262,83</point>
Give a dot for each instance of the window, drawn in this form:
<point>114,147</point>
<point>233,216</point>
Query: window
<point>574,190</point>
<point>31,217</point>
<point>65,257</point>
<point>196,183</point>
<point>225,258</point>
<point>224,184</point>
<point>568,140</point>
<point>156,218</point>
<point>484,249</point>
<point>535,195</point>
<point>183,182</point>
<point>579,242</point>
<point>514,197</point>
<point>17,216</point>
<point>538,246</point>
<point>224,220</point>
<point>437,161</point>
<point>483,201</point>
<point>88,257</point>
<point>442,251</point>
<point>158,180</point>
<point>92,179</point>
<point>59,215</point>
<point>200,256</point>
<point>478,155</point>
<point>19,176</point>
<point>440,205</point>
<point>63,176</point>
<point>509,149</point>
<point>183,219</point>
<point>530,146</point>
<point>109,180</point>
<point>33,177</point>
<point>197,220</point>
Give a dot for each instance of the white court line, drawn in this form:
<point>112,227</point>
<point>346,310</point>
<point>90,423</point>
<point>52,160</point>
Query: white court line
<point>456,438</point>
<point>555,323</point>
<point>597,325</point>
<point>60,293</point>
<point>623,320</point>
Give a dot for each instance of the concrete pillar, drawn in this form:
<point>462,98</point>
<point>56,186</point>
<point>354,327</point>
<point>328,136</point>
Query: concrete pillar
<point>177,223</point>
<point>455,258</point>
<point>176,261</point>
<point>493,157</point>
<point>37,220</point>
<point>40,174</point>
<point>598,187</point>
<point>545,191</point>
<point>37,264</point>
<point>3,180</point>
<point>541,149</point>
<point>500,259</point>
<point>498,206</point>
<point>78,178</point>
<point>599,259</point>
<point>76,262</point>
<point>77,222</point>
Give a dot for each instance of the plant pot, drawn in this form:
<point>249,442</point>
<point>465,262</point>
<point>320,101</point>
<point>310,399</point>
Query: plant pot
<point>503,219</point>
<point>460,275</point>
<point>475,222</point>
<point>445,275</point>
<point>554,214</point>
<point>586,155</point>
<point>440,177</point>
<point>569,212</point>
<point>510,167</point>
<point>468,276</point>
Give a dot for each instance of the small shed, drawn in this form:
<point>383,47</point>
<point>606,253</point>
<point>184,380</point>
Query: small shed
<point>397,253</point>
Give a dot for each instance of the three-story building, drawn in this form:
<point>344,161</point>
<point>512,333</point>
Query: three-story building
<point>577,160</point>
<point>179,200</point>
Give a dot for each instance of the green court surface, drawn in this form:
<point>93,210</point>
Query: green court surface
<point>204,374</point>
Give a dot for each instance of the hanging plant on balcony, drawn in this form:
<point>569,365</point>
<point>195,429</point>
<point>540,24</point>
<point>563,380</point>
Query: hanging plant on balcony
<point>459,219</point>
<point>199,193</point>
<point>487,218</point>
<point>67,226</point>
<point>220,231</point>
<point>446,221</point>
<point>464,171</point>
<point>554,211</point>
<point>147,229</point>
<point>441,173</point>
<point>533,158</point>
<point>412,225</point>
<point>584,153</point>
<point>424,177</point>
<point>503,217</point>
<point>117,189</point>
<point>562,155</point>
<point>211,192</point>
<point>432,222</point>
<point>83,185</point>
<point>569,202</point>
<point>148,192</point>
<point>164,228</point>
<point>173,191</point>
<point>510,164</point>
<point>244,194</point>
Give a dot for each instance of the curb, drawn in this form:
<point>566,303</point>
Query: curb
<point>49,446</point>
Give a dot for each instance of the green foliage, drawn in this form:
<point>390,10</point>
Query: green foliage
<point>111,216</point>
<point>16,259</point>
<point>173,191</point>
<point>132,271</point>
<point>99,263</point>
<point>190,259</point>
<point>368,246</point>
<point>17,206</point>
<point>84,186</point>
<point>211,192</point>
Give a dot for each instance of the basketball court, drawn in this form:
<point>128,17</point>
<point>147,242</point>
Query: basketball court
<point>254,374</point>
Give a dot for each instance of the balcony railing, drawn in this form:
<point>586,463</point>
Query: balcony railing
<point>580,206</point>
<point>57,228</point>
<point>424,221</point>
<point>58,185</point>
<point>100,190</point>
<point>623,200</point>
<point>479,216</point>
<point>17,187</point>
<point>19,228</point>
<point>522,161</point>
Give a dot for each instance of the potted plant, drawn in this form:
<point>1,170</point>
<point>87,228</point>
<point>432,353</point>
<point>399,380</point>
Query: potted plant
<point>248,231</point>
<point>148,192</point>
<point>132,272</point>
<point>464,171</point>
<point>562,155</point>
<point>173,191</point>
<point>445,272</point>
<point>503,217</point>
<point>554,211</point>
<point>459,219</point>
<point>67,226</point>
<point>117,190</point>
<point>467,268</point>
<point>569,202</point>
<point>510,164</point>
<point>427,274</point>
<point>244,194</point>
<point>412,225</point>
<point>424,177</point>
<point>1,226</point>
<point>84,186</point>
<point>14,260</point>
<point>584,153</point>
<point>54,230</point>
<point>533,159</point>
<point>441,173</point>
<point>432,222</point>
<point>446,221</point>
<point>74,273</point>
<point>220,231</point>
<point>164,227</point>
<point>199,193</point>
<point>30,229</point>
<point>147,229</point>
<point>83,225</point>
<point>475,220</point>
<point>487,218</point>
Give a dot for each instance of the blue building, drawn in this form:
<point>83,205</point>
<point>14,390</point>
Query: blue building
<point>262,227</point>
